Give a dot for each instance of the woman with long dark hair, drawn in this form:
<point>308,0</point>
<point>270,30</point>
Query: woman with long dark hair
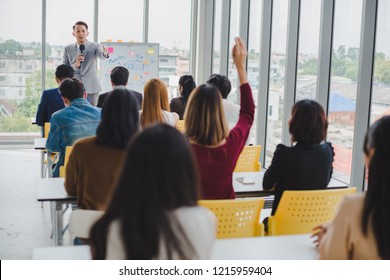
<point>94,161</point>
<point>153,213</point>
<point>361,228</point>
<point>186,86</point>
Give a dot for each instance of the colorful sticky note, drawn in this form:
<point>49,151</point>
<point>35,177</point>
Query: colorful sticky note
<point>151,51</point>
<point>110,50</point>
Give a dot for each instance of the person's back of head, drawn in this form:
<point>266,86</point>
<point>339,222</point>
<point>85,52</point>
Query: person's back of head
<point>188,84</point>
<point>308,123</point>
<point>120,119</point>
<point>155,100</point>
<point>204,116</point>
<point>376,208</point>
<point>64,71</point>
<point>72,88</point>
<point>222,83</point>
<point>158,176</point>
<point>119,76</point>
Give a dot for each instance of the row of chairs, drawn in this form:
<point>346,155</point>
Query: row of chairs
<point>298,213</point>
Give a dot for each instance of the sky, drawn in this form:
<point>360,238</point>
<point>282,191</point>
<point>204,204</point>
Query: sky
<point>169,22</point>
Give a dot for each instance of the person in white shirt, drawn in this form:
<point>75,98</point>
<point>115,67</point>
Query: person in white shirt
<point>224,86</point>
<point>153,212</point>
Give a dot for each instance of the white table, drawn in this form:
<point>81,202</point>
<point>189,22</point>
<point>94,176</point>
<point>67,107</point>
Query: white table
<point>40,143</point>
<point>53,190</point>
<point>82,252</point>
<point>283,247</point>
<point>257,186</point>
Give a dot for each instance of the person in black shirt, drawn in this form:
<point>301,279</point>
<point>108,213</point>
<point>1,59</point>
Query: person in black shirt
<point>119,77</point>
<point>307,165</point>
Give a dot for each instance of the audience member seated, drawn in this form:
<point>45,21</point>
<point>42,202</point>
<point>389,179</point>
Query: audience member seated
<point>216,148</point>
<point>186,86</point>
<point>51,100</point>
<point>224,86</point>
<point>153,213</point>
<point>119,77</point>
<point>361,228</point>
<point>307,165</point>
<point>155,108</point>
<point>79,119</point>
<point>95,160</point>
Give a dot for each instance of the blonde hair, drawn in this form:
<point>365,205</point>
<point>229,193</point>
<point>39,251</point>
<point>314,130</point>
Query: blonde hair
<point>204,116</point>
<point>155,100</point>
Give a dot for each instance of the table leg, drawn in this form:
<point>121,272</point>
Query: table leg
<point>58,224</point>
<point>42,164</point>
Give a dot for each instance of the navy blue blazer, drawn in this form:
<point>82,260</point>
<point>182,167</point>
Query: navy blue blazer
<point>51,101</point>
<point>138,96</point>
<point>300,167</point>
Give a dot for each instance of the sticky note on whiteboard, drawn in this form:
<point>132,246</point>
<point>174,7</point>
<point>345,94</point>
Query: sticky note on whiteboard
<point>110,50</point>
<point>151,51</point>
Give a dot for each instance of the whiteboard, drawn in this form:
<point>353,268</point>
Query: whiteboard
<point>141,59</point>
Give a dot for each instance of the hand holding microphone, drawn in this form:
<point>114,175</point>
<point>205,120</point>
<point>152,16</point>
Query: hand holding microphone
<point>80,57</point>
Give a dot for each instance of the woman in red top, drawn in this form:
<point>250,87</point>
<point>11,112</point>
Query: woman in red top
<point>215,148</point>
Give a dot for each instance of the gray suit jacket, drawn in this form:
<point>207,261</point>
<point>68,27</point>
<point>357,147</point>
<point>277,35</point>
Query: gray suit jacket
<point>87,72</point>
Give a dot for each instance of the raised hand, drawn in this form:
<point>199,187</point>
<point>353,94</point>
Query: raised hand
<point>239,54</point>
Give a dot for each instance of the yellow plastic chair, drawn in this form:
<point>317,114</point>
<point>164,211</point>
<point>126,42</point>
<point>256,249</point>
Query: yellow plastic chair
<point>180,126</point>
<point>237,217</point>
<point>300,211</point>
<point>46,130</point>
<point>68,151</point>
<point>248,161</point>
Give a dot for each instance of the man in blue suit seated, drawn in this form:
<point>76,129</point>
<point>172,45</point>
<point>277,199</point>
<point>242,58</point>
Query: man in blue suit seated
<point>79,119</point>
<point>119,77</point>
<point>51,100</point>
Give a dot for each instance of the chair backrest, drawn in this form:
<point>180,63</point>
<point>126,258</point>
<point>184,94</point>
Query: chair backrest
<point>237,217</point>
<point>248,161</point>
<point>46,130</point>
<point>68,151</point>
<point>300,211</point>
<point>180,125</point>
<point>81,221</point>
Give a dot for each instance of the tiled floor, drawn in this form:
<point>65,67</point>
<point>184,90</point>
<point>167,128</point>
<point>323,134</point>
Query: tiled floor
<point>23,223</point>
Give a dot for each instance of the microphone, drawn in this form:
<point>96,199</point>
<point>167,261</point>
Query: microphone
<point>82,49</point>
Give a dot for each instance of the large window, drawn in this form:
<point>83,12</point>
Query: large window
<point>217,36</point>
<point>20,61</point>
<point>308,49</point>
<point>276,77</point>
<point>122,21</point>
<point>342,99</point>
<point>59,32</point>
<point>380,102</point>
<point>254,56</point>
<point>233,32</point>
<point>170,26</point>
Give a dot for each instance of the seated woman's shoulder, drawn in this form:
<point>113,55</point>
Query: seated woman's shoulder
<point>352,201</point>
<point>329,146</point>
<point>281,146</point>
<point>84,141</point>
